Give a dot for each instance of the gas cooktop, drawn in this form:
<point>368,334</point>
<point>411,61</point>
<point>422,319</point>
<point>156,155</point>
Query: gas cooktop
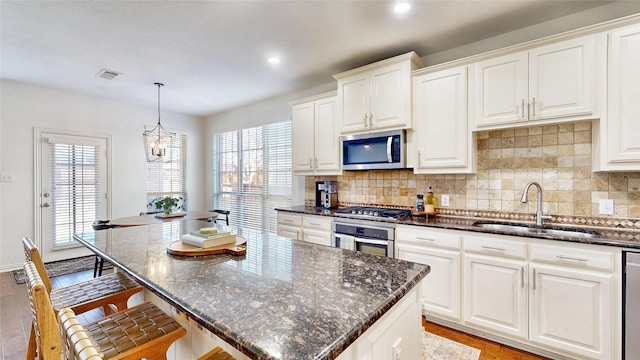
<point>363,212</point>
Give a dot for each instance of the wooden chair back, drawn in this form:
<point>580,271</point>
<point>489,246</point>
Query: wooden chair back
<point>44,321</point>
<point>31,253</point>
<point>78,344</point>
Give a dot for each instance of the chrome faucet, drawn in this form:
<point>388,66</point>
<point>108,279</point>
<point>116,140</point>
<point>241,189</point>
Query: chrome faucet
<point>524,199</point>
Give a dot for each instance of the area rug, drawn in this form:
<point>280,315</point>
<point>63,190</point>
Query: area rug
<point>435,347</point>
<point>64,267</point>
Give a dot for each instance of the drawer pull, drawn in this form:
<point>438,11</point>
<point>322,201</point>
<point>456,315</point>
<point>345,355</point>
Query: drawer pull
<point>522,277</point>
<point>562,257</point>
<point>426,239</point>
<point>287,220</point>
<point>491,248</point>
<point>314,224</point>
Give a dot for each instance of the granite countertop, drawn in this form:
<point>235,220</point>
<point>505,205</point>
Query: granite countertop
<point>284,299</point>
<point>609,236</point>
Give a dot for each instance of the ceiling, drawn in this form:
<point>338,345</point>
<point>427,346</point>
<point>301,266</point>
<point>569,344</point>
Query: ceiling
<point>211,55</point>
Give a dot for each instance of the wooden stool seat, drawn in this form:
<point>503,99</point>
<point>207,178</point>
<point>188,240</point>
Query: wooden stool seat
<point>217,354</point>
<point>81,297</point>
<point>143,331</point>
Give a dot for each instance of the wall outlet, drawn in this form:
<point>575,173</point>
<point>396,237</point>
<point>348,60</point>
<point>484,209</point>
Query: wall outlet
<point>606,206</point>
<point>444,200</point>
<point>6,177</point>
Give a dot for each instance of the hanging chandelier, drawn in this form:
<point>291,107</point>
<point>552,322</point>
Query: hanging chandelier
<point>158,142</point>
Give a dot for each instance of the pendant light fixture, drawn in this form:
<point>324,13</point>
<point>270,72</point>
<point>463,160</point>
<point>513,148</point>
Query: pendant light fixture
<point>158,142</point>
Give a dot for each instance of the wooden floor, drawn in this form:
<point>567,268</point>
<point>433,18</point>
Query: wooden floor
<point>15,319</point>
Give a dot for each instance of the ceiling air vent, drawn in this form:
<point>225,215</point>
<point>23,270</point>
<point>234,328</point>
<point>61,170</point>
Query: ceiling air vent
<point>107,74</point>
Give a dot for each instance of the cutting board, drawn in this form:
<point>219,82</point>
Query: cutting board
<point>179,248</point>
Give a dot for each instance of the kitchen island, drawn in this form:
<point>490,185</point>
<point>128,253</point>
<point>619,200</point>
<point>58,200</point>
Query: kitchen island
<point>284,299</point>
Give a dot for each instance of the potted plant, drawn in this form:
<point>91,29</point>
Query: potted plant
<point>167,204</point>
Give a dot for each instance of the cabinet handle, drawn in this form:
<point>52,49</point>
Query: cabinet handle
<point>533,108</point>
<point>370,120</point>
<point>426,239</point>
<point>366,124</point>
<point>493,248</point>
<point>534,279</point>
<point>310,163</point>
<point>523,108</point>
<point>316,163</point>
<point>522,277</point>
<point>562,257</point>
<point>287,220</point>
<point>314,224</point>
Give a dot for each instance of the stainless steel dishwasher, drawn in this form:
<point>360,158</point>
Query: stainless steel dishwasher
<point>631,307</point>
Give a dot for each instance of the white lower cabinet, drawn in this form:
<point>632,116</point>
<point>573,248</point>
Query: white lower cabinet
<point>441,251</point>
<point>495,295</point>
<point>311,228</point>
<point>561,298</point>
<point>573,302</point>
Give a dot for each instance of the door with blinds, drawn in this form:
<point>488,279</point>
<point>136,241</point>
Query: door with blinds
<point>73,192</point>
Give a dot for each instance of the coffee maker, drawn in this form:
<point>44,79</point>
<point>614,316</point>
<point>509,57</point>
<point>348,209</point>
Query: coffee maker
<point>326,194</point>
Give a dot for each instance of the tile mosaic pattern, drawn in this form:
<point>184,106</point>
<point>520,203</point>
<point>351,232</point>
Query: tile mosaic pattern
<point>558,157</point>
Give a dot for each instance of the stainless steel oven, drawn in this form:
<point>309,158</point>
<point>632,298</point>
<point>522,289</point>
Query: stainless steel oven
<point>367,236</point>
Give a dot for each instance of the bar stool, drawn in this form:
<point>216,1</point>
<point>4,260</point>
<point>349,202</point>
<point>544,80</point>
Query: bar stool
<point>143,331</point>
<point>217,354</point>
<point>115,288</point>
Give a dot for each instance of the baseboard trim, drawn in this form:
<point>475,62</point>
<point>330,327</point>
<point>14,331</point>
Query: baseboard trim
<point>10,267</point>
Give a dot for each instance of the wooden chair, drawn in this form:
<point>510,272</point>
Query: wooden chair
<point>115,288</point>
<point>143,331</point>
<point>217,354</point>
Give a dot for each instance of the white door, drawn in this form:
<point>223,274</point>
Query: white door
<point>302,138</point>
<point>73,183</point>
<point>495,295</point>
<point>353,93</point>
<point>500,93</point>
<point>571,310</point>
<point>441,288</point>
<point>388,104</point>
<point>441,116</point>
<point>560,79</point>
<point>327,146</point>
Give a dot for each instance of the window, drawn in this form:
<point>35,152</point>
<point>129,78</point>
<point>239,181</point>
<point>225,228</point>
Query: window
<point>252,174</point>
<point>169,178</point>
<point>75,184</point>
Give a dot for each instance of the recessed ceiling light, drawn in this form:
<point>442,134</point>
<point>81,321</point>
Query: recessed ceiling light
<point>273,60</point>
<point>401,8</point>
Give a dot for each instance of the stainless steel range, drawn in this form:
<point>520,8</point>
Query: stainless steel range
<point>374,237</point>
<point>371,213</point>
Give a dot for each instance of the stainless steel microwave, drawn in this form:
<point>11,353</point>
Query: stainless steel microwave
<point>374,151</point>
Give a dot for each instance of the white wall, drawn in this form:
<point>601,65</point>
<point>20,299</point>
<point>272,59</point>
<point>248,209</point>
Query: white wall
<point>24,107</point>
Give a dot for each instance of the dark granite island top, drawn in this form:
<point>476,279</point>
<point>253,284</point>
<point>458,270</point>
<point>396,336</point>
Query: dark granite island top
<point>284,299</point>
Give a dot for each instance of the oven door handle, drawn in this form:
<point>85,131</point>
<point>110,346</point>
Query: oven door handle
<point>371,241</point>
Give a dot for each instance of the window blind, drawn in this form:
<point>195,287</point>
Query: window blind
<point>252,174</point>
<point>169,178</point>
<point>75,191</point>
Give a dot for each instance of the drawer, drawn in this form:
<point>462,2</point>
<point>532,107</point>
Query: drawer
<point>290,232</point>
<point>428,237</point>
<point>495,246</point>
<point>290,219</point>
<point>571,256</point>
<point>316,222</point>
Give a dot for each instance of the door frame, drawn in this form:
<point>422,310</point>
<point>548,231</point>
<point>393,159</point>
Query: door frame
<point>37,171</point>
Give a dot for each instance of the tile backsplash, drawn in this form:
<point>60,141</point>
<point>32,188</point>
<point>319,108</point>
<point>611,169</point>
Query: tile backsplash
<point>558,157</point>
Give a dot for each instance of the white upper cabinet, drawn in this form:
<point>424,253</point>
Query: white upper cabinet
<point>552,82</point>
<point>620,131</point>
<point>315,141</point>
<point>377,96</point>
<point>442,142</point>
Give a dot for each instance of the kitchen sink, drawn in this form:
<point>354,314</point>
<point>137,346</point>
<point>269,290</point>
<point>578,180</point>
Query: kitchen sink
<point>536,230</point>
